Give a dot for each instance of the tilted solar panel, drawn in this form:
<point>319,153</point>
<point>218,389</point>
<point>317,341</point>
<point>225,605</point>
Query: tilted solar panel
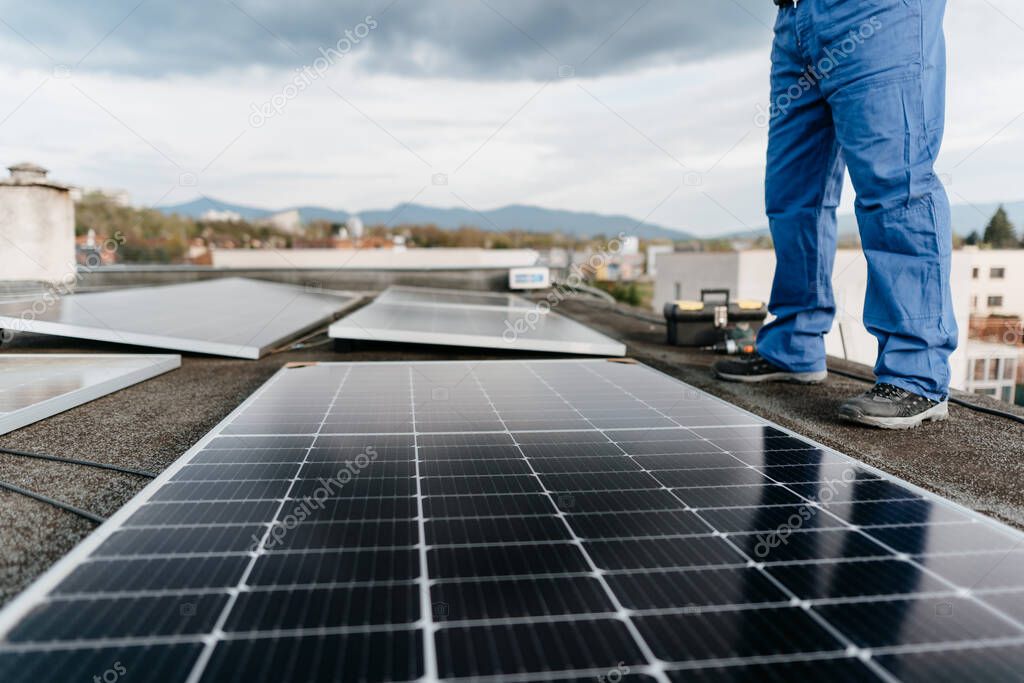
<point>520,521</point>
<point>476,319</point>
<point>226,317</point>
<point>36,386</point>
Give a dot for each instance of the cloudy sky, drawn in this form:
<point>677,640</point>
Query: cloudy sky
<point>642,107</point>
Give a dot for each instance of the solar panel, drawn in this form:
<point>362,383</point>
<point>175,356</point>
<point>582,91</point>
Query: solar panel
<point>559,520</point>
<point>226,317</point>
<point>36,386</point>
<point>477,319</point>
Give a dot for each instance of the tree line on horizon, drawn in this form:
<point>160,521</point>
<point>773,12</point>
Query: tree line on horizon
<point>1000,233</point>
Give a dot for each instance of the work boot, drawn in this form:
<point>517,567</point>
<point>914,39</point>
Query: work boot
<point>754,368</point>
<point>891,407</point>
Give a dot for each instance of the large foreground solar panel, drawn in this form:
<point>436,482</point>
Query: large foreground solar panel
<point>36,386</point>
<point>520,521</point>
<point>478,319</point>
<point>225,317</point>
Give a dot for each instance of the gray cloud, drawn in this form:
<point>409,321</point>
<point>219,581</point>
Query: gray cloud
<point>486,39</point>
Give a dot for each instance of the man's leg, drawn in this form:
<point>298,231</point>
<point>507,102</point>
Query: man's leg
<point>802,189</point>
<point>887,93</point>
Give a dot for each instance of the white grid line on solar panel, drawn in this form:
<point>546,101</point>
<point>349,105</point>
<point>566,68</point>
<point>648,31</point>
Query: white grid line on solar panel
<point>423,584</point>
<point>920,567</point>
<point>838,652</point>
<point>633,544</point>
<point>695,607</point>
<point>586,615</point>
<point>573,516</point>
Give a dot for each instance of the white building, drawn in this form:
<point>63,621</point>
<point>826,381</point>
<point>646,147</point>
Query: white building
<point>289,221</point>
<point>376,259</point>
<point>653,252</point>
<point>992,370</point>
<point>997,281</point>
<point>218,216</point>
<point>37,224</point>
<point>748,275</point>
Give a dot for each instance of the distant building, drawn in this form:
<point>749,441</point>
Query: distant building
<point>355,227</point>
<point>997,281</point>
<point>375,259</point>
<point>992,369</point>
<point>114,195</point>
<point>653,251</point>
<point>37,221</point>
<point>218,216</point>
<point>289,221</point>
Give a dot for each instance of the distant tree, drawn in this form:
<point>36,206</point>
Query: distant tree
<point>973,239</point>
<point>1000,232</point>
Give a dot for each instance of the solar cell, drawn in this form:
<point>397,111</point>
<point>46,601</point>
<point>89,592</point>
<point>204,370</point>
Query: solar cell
<point>226,317</point>
<point>528,554</point>
<point>477,319</point>
<point>37,386</point>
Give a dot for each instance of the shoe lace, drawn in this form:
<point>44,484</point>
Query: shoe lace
<point>887,391</point>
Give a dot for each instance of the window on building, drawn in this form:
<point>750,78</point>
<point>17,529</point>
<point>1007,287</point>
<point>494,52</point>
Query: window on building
<point>974,302</point>
<point>974,273</point>
<point>679,292</point>
<point>986,391</point>
<point>995,301</point>
<point>978,372</point>
<point>993,368</point>
<point>1009,369</point>
<point>997,273</point>
<point>1008,394</point>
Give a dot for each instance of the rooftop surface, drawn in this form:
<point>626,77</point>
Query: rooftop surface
<point>974,459</point>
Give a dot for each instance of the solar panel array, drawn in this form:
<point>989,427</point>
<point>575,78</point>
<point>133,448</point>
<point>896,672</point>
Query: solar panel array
<point>519,521</point>
<point>36,386</point>
<point>478,319</point>
<point>228,317</point>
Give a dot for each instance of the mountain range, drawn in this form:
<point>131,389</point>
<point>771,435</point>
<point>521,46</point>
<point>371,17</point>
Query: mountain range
<point>514,217</point>
<point>966,218</point>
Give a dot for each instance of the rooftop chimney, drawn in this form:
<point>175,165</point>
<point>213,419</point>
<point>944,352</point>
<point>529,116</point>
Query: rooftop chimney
<point>37,226</point>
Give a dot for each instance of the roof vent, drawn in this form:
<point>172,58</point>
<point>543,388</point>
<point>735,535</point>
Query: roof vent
<point>27,171</point>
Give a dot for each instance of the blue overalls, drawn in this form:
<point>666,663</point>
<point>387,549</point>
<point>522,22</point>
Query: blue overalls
<point>860,84</point>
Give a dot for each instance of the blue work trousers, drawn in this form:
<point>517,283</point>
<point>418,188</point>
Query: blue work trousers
<point>860,85</point>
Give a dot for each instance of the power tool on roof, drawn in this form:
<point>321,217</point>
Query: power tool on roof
<point>715,323</point>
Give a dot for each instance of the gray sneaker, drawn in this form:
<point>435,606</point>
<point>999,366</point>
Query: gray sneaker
<point>890,407</point>
<point>754,368</point>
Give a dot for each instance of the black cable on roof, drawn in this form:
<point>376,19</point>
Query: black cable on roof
<point>52,501</point>
<point>952,399</point>
<point>77,461</point>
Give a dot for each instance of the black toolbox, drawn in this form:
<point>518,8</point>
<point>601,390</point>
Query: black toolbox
<point>713,319</point>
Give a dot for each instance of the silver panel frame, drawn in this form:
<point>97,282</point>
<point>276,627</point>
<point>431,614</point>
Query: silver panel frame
<point>161,363</point>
